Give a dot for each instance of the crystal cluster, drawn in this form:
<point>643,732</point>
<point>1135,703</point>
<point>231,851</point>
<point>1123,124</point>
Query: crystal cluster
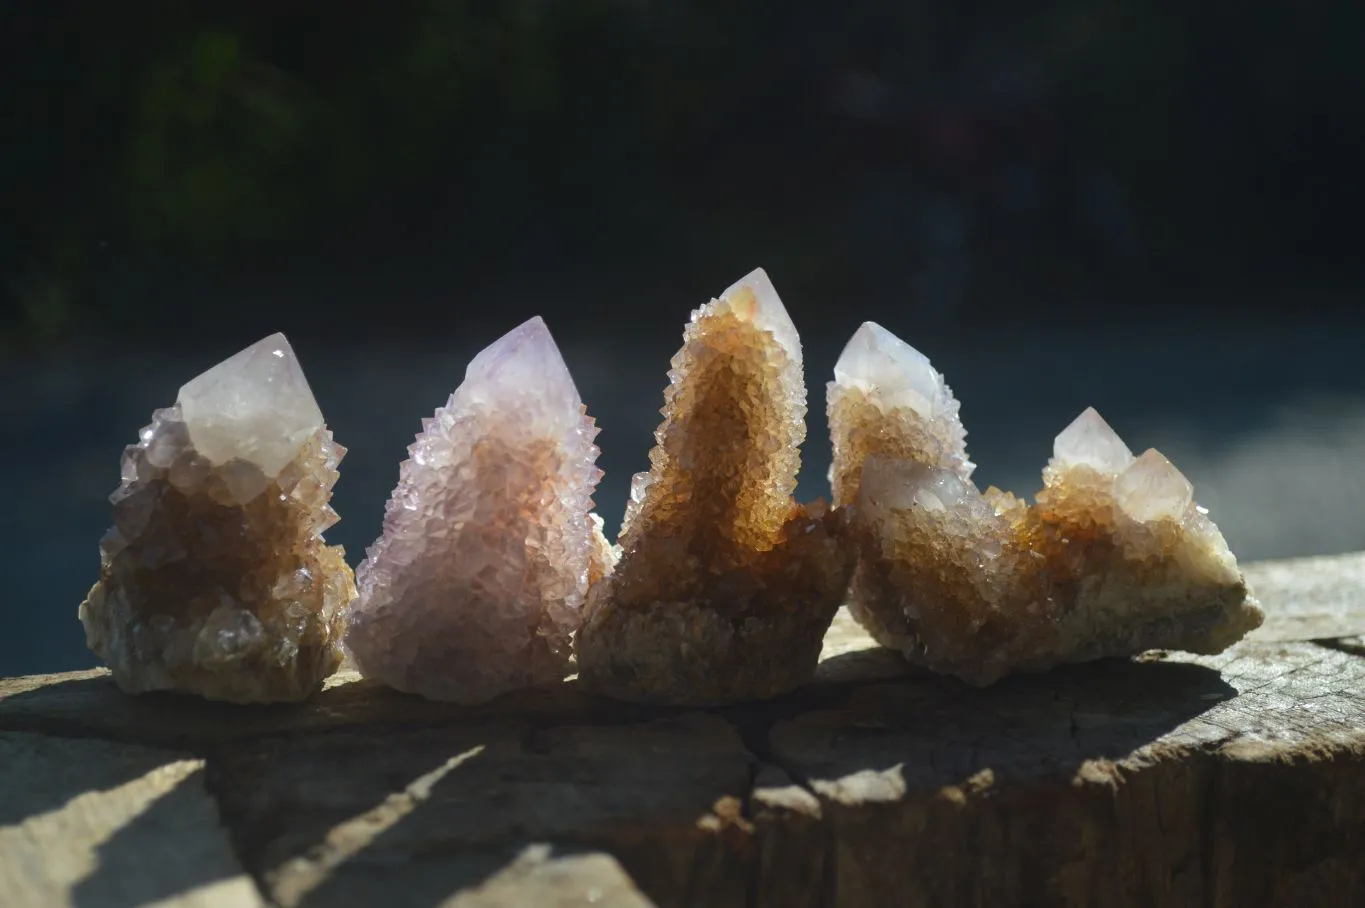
<point>215,578</point>
<point>725,586</point>
<point>1114,558</point>
<point>489,544</point>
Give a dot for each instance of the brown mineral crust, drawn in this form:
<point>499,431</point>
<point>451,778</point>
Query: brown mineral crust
<point>750,633</point>
<point>725,586</point>
<point>859,429</point>
<point>237,602</point>
<point>1060,572</point>
<point>724,466</point>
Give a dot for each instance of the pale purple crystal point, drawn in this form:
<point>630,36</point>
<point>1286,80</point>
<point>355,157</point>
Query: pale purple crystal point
<point>489,544</point>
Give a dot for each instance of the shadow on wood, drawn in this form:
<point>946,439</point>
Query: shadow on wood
<point>410,817</point>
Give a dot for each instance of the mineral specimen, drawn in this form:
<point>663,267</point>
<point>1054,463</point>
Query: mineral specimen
<point>489,546</point>
<point>215,578</point>
<point>1114,558</point>
<point>725,586</point>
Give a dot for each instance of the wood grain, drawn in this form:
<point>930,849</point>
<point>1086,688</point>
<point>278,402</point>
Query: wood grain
<point>1236,780</point>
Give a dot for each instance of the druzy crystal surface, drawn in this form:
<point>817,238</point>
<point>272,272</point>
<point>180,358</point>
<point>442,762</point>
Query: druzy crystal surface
<point>725,585</point>
<point>1115,556</point>
<point>490,545</point>
<point>215,578</point>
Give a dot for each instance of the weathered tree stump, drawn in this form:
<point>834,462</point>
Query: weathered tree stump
<point>1234,780</point>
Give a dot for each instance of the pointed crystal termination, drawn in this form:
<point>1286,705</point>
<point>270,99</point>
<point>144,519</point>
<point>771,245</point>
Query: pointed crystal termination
<point>1114,558</point>
<point>1090,442</point>
<point>215,578</point>
<point>726,586</point>
<point>489,545</point>
<point>887,399</point>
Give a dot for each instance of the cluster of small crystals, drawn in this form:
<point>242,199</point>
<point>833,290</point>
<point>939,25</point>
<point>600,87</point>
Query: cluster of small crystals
<point>887,399</point>
<point>1114,558</point>
<point>489,544</point>
<point>215,578</point>
<point>725,585</point>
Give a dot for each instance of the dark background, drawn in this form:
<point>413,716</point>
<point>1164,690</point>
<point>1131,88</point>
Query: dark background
<point>1153,208</point>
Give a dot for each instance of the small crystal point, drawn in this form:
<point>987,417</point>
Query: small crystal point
<point>489,544</point>
<point>887,399</point>
<point>1153,489</point>
<point>885,366</point>
<point>755,298</point>
<point>1090,441</point>
<point>254,406</point>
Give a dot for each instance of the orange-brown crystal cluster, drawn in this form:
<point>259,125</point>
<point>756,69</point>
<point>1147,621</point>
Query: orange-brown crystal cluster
<point>887,399</point>
<point>725,586</point>
<point>1114,558</point>
<point>215,578</point>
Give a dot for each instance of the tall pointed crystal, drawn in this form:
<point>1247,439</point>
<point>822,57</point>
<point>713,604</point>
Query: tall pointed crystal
<point>1114,558</point>
<point>726,586</point>
<point>886,398</point>
<point>215,578</point>
<point>489,545</point>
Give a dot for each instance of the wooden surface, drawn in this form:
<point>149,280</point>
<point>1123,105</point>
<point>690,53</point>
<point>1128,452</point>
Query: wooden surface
<point>1235,780</point>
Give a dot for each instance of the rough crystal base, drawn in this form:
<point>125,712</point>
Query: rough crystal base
<point>215,578</point>
<point>1113,559</point>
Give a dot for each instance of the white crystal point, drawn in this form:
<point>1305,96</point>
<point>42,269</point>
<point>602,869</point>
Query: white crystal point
<point>1153,489</point>
<point>887,398</point>
<point>255,406</point>
<point>754,297</point>
<point>894,373</point>
<point>524,358</point>
<point>489,543</point>
<point>1090,441</point>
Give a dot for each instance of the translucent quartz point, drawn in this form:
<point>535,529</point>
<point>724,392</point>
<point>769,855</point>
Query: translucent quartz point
<point>1090,442</point>
<point>1151,488</point>
<point>489,544</point>
<point>886,398</point>
<point>726,586</point>
<point>1114,558</point>
<point>256,406</point>
<point>215,578</point>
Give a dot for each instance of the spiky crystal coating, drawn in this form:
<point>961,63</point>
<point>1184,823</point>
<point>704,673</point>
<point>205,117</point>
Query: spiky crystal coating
<point>886,398</point>
<point>1114,558</point>
<point>726,586</point>
<point>215,578</point>
<point>489,544</point>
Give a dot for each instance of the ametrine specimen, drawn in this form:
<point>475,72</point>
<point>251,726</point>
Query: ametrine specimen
<point>1114,558</point>
<point>726,586</point>
<point>886,398</point>
<point>215,578</point>
<point>489,544</point>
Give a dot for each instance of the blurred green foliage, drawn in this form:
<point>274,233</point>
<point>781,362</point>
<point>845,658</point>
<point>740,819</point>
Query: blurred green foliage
<point>146,139</point>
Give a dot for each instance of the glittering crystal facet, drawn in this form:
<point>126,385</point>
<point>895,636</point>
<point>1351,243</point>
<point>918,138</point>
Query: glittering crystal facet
<point>215,578</point>
<point>489,544</point>
<point>725,586</point>
<point>1113,559</point>
<point>255,406</point>
<point>886,398</point>
<point>1089,441</point>
<point>1151,488</point>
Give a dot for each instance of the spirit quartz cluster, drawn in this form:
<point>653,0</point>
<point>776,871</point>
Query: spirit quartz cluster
<point>492,572</point>
<point>489,544</point>
<point>726,585</point>
<point>1113,558</point>
<point>215,579</point>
